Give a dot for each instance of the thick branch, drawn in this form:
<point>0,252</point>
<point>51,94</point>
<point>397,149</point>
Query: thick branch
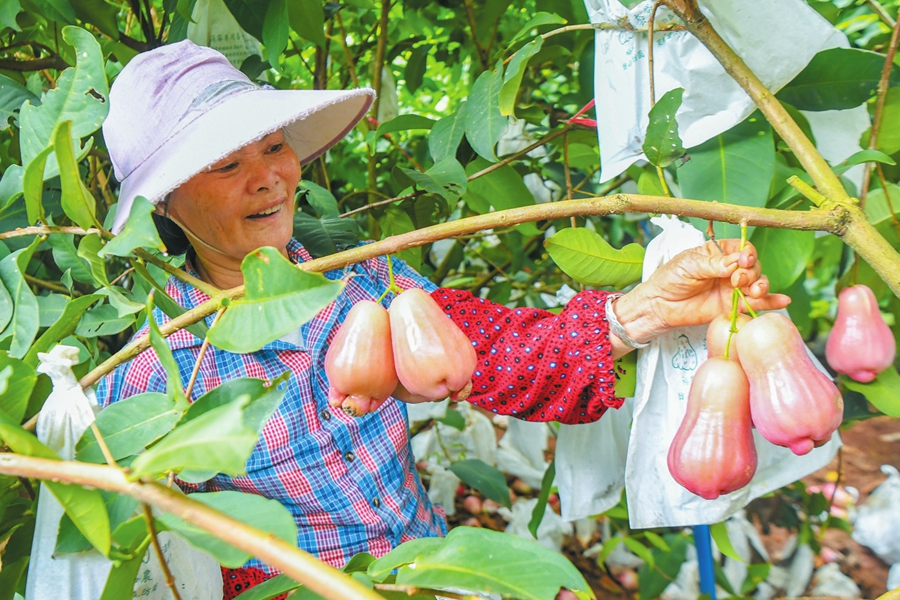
<point>37,64</point>
<point>825,179</point>
<point>833,220</point>
<point>301,566</point>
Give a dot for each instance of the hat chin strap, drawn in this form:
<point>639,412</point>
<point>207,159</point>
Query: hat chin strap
<point>193,237</point>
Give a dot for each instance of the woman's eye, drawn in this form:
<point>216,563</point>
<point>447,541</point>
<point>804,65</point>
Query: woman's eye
<point>226,168</point>
<point>275,148</point>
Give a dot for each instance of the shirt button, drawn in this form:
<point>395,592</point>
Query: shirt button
<point>376,502</point>
<point>326,415</point>
<point>349,456</point>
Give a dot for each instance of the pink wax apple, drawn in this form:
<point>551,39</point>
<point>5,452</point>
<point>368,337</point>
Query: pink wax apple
<point>861,345</point>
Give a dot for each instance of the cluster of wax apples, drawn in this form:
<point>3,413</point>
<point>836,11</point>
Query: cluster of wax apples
<point>413,344</point>
<point>769,382</point>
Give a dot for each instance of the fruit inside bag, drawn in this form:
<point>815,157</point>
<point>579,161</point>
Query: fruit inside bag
<point>665,370</point>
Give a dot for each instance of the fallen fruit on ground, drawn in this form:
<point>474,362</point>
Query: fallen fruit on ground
<point>713,451</point>
<point>717,335</point>
<point>360,360</point>
<point>792,403</point>
<point>860,345</point>
<point>434,359</point>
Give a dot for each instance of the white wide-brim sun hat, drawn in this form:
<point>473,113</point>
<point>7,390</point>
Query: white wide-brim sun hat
<point>178,109</point>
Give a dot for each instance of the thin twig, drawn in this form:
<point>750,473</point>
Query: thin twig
<point>167,573</point>
<point>883,85</point>
<point>43,230</point>
<point>107,455</point>
<point>479,49</point>
<point>200,355</point>
<point>650,49</point>
<point>47,285</point>
<point>886,18</point>
<point>207,288</point>
<point>350,64</point>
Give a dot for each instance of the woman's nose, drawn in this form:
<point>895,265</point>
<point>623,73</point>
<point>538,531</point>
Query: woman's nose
<point>264,176</point>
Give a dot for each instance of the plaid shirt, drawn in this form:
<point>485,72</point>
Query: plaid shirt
<point>351,483</point>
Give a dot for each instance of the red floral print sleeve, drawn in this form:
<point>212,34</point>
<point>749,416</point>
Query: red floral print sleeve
<point>536,365</point>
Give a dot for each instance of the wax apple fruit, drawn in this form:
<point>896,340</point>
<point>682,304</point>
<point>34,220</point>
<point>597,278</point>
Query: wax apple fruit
<point>360,360</point>
<point>718,332</point>
<point>713,452</point>
<point>792,403</point>
<point>434,359</point>
<point>861,344</point>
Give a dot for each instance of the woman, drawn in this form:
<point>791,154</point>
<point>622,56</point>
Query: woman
<point>221,159</point>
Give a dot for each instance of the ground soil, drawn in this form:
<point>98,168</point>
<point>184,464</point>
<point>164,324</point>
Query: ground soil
<point>867,445</point>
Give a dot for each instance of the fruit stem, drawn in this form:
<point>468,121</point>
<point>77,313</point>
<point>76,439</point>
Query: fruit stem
<point>392,286</point>
<point>737,295</point>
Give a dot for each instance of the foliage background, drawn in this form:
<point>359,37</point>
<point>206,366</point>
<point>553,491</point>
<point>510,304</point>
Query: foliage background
<point>440,66</point>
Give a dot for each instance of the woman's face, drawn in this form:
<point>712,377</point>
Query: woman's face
<point>244,201</point>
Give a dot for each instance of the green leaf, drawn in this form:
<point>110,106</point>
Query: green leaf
<point>653,580</point>
<point>446,179</point>
<point>12,573</point>
<point>18,379</point>
<point>512,79</point>
<point>217,441</point>
<point>405,123</point>
<point>77,201</point>
<point>447,133</point>
<point>325,235</point>
<point>864,156</point>
<point>537,515</point>
<point>482,560</point>
<point>81,96</point>
<point>89,249</point>
<point>756,574</point>
<point>265,398</point>
<point>784,253</point>
<point>174,388</point>
<point>453,418</point>
<point>85,507</point>
<point>626,375</point>
<point>484,123</point>
<point>307,18</point>
<point>165,303</point>
<point>589,259</point>
<point>8,12</point>
<point>66,258</point>
<point>120,300</point>
<point>279,298</point>
<point>735,167</point>
<point>12,95</point>
<point>889,133</point>
<point>99,13</point>
<point>100,321</point>
<point>488,480</point>
<point>404,554</point>
<point>275,586</point>
<point>608,546</point>
<point>539,19</point>
<point>128,426</point>
<point>250,14</point>
<point>120,582</point>
<point>501,189</point>
<point>414,73</point>
<point>275,30</point>
<point>640,550</point>
<point>395,221</point>
<point>719,534</point>
<point>33,187</point>
<point>270,516</point>
<point>662,146</point>
<point>320,199</point>
<point>883,391</point>
<point>880,213</point>
<point>25,322</point>
<point>139,232</point>
<point>657,541</point>
<point>837,78</point>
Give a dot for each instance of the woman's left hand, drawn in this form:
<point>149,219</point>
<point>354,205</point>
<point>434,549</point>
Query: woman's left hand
<point>694,288</point>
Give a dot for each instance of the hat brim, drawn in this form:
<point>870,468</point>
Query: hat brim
<point>313,122</point>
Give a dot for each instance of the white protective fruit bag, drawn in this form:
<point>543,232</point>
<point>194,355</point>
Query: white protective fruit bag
<point>67,412</point>
<point>665,370</point>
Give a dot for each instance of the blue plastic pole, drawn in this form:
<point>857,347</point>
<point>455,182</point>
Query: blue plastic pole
<point>703,542</point>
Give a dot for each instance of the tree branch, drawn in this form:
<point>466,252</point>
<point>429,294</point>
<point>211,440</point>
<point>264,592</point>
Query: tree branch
<point>865,240</point>
<point>37,64</point>
<point>301,566</point>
